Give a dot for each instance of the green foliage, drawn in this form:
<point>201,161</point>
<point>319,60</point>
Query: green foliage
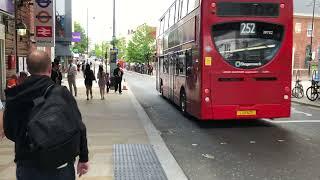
<point>121,46</point>
<point>102,49</point>
<point>80,47</point>
<point>142,45</point>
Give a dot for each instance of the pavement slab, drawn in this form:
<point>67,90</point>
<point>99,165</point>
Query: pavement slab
<point>119,119</point>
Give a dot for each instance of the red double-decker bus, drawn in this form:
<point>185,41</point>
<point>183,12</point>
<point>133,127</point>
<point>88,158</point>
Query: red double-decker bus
<point>227,59</point>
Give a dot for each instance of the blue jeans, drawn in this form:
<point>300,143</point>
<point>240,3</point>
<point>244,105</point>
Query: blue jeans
<point>31,173</point>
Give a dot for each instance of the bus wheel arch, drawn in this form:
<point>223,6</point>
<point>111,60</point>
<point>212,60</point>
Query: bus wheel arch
<point>183,101</point>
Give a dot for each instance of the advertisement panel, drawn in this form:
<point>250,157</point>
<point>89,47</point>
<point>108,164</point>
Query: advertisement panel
<point>7,6</point>
<point>76,37</point>
<point>44,23</point>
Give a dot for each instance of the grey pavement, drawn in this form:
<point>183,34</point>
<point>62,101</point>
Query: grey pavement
<point>119,119</point>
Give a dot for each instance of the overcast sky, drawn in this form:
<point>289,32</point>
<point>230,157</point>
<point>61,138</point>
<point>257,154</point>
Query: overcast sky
<point>132,13</point>
<point>306,6</point>
<point>129,15</point>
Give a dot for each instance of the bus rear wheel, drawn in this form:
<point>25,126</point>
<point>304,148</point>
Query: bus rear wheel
<point>183,103</point>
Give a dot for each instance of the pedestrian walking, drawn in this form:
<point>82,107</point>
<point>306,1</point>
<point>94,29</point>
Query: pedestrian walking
<point>1,121</point>
<point>102,81</point>
<point>118,74</point>
<point>72,74</point>
<point>56,74</point>
<point>48,131</point>
<point>88,78</point>
<point>108,82</point>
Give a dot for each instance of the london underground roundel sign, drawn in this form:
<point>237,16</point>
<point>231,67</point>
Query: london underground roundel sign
<point>44,3</point>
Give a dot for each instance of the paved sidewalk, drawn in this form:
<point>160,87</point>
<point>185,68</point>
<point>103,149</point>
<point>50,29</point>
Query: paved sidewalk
<point>119,119</point>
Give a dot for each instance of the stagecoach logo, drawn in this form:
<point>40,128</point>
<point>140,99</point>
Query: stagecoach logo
<point>244,64</point>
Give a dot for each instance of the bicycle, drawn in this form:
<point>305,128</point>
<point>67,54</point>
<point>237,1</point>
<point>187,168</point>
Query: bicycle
<point>297,91</point>
<point>314,90</point>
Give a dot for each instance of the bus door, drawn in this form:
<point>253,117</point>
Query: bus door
<point>171,76</point>
<point>159,59</point>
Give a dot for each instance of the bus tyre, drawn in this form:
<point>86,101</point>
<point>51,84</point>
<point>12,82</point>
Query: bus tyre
<point>312,94</point>
<point>183,103</point>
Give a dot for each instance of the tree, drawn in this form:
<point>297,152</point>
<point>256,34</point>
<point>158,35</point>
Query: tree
<point>121,46</point>
<point>142,45</point>
<point>80,47</point>
<point>102,49</point>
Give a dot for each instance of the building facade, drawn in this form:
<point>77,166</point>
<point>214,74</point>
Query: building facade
<point>63,31</point>
<point>305,54</point>
<point>14,48</point>
<point>7,48</point>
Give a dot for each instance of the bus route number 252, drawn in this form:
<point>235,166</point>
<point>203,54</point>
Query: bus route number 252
<point>248,29</point>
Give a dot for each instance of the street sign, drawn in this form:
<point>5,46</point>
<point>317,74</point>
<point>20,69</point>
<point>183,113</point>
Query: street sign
<point>43,17</point>
<point>44,3</point>
<point>76,37</point>
<point>44,22</point>
<point>44,31</point>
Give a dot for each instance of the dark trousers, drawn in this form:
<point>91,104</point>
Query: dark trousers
<point>108,87</point>
<point>118,85</point>
<point>31,173</point>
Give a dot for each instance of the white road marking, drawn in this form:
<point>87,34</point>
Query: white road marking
<point>291,121</point>
<point>294,110</point>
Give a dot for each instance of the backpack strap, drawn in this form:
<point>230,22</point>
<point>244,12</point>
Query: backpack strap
<point>41,99</point>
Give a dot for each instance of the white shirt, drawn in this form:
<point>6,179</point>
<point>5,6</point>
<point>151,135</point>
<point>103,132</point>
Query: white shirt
<point>1,106</point>
<point>72,70</point>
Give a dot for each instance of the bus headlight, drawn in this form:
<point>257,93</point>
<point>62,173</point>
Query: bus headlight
<point>286,97</point>
<point>207,99</point>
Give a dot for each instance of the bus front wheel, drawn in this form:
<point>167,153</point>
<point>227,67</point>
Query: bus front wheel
<point>183,103</point>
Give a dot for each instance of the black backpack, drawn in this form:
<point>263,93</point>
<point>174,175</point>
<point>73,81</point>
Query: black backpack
<point>53,129</point>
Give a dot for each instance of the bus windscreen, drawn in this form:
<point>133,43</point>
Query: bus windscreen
<point>248,9</point>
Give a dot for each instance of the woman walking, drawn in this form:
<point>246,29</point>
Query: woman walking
<point>102,81</point>
<point>88,78</point>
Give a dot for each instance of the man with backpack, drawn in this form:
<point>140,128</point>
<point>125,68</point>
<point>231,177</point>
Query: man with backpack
<point>44,122</point>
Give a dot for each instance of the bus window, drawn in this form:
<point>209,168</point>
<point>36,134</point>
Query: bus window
<point>177,70</point>
<point>171,18</point>
<point>166,22</point>
<point>247,45</point>
<point>182,64</point>
<point>184,8</point>
<point>161,64</point>
<point>177,11</point>
<point>189,58</point>
<point>166,65</point>
<point>161,26</point>
<point>192,5</point>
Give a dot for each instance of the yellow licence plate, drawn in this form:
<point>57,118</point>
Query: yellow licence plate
<point>247,113</point>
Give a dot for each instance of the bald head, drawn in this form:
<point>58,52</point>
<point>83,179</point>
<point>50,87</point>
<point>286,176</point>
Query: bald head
<point>39,63</point>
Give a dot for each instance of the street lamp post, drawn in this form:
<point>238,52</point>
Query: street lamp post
<point>113,52</point>
<point>311,37</point>
<point>94,63</point>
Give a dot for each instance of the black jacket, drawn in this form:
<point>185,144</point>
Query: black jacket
<point>18,106</point>
<point>56,76</point>
<point>118,73</point>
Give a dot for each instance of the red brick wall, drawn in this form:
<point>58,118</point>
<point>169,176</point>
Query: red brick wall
<point>300,42</point>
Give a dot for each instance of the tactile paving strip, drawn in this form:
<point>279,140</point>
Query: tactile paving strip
<point>136,162</point>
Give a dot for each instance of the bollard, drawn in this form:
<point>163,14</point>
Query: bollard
<point>124,85</point>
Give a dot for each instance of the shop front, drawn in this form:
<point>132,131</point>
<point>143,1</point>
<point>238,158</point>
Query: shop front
<point>6,42</point>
